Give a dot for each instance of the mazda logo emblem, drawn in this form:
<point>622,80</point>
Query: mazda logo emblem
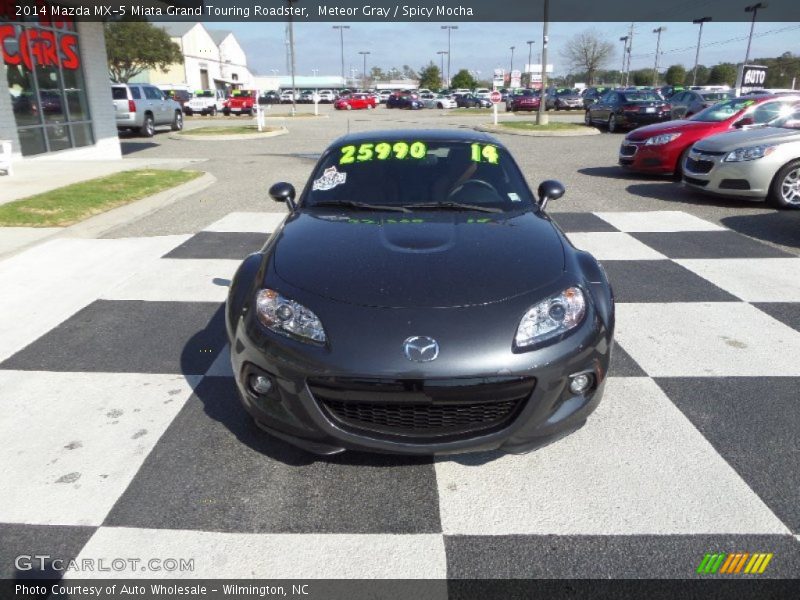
<point>420,348</point>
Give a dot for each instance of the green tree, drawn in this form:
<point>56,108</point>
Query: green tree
<point>722,74</point>
<point>463,79</point>
<point>430,77</point>
<point>135,46</point>
<point>377,74</point>
<point>642,77</point>
<point>589,52</point>
<point>702,76</point>
<point>675,75</point>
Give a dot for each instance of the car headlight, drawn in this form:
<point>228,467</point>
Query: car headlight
<point>287,317</point>
<point>551,317</point>
<point>750,153</point>
<point>658,140</point>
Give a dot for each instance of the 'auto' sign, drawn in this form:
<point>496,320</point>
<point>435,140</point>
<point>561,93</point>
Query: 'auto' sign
<point>751,77</point>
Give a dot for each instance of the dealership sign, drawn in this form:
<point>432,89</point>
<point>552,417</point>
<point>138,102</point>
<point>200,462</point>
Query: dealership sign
<point>38,47</point>
<point>751,77</point>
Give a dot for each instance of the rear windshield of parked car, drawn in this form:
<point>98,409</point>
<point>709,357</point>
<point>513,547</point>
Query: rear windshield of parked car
<point>716,95</point>
<point>119,93</point>
<point>723,110</point>
<point>641,97</point>
<point>414,171</point>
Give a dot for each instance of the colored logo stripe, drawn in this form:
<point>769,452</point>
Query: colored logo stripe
<point>734,563</point>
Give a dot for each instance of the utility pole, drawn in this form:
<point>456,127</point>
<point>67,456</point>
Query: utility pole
<point>753,8</point>
<point>658,50</point>
<point>530,71</point>
<point>630,49</point>
<point>541,117</point>
<point>291,46</point>
<point>511,68</point>
<point>624,41</point>
<point>341,29</point>
<point>449,49</point>
<point>700,22</point>
<point>441,74</point>
<point>364,74</point>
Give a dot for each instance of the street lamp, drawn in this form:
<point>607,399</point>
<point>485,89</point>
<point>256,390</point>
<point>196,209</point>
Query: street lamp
<point>449,49</point>
<point>624,39</point>
<point>291,49</point>
<point>442,53</point>
<point>364,73</point>
<point>341,29</point>
<point>658,50</point>
<point>511,68</point>
<point>530,71</point>
<point>753,8</point>
<point>541,116</point>
<point>700,22</point>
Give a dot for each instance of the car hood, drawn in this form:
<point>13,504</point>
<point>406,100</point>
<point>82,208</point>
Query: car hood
<point>431,259</point>
<point>679,126</point>
<point>726,142</point>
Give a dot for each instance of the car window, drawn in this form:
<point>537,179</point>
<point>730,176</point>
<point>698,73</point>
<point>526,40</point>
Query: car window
<point>769,111</point>
<point>119,93</point>
<point>678,98</point>
<point>400,172</point>
<point>152,93</point>
<point>723,110</point>
<point>136,92</point>
<point>789,120</point>
<point>641,97</point>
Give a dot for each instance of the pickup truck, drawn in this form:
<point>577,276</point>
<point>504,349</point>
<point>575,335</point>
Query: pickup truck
<point>205,102</point>
<point>240,102</point>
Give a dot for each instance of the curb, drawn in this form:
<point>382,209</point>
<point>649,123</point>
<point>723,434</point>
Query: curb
<point>98,225</point>
<point>231,137</point>
<point>555,133</point>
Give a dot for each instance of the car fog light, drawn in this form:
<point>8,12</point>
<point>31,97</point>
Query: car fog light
<point>579,384</point>
<point>260,384</point>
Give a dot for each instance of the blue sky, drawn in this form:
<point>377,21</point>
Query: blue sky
<point>485,46</point>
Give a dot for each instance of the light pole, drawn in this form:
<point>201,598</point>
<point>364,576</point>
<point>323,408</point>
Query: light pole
<point>449,49</point>
<point>541,117</point>
<point>700,22</point>
<point>364,72</point>
<point>530,71</point>
<point>658,50</point>
<point>442,53</point>
<point>341,29</point>
<point>291,48</point>
<point>511,68</point>
<point>753,8</point>
<point>624,40</point>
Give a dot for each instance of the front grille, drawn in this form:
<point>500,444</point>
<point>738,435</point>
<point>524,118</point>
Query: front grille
<point>422,411</point>
<point>695,181</point>
<point>734,184</point>
<point>628,150</point>
<point>699,166</point>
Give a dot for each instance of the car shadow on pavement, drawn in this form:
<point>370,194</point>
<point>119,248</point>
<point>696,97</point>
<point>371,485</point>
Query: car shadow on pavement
<point>132,147</point>
<point>616,172</point>
<point>670,191</point>
<point>779,226</point>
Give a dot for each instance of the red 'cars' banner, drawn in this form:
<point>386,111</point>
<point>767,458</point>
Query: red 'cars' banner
<point>38,47</point>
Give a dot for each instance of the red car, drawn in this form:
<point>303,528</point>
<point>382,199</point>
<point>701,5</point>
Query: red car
<point>526,100</point>
<point>240,102</point>
<point>661,147</point>
<point>355,101</point>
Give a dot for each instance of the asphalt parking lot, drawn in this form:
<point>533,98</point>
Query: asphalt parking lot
<point>147,453</point>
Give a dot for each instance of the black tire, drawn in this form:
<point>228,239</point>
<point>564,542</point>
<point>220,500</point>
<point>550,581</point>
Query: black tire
<point>226,112</point>
<point>784,193</point>
<point>677,174</point>
<point>213,111</point>
<point>440,105</point>
<point>612,126</point>
<point>188,112</point>
<point>177,121</point>
<point>148,129</point>
<point>587,119</point>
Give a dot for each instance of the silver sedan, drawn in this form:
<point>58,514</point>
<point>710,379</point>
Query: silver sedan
<point>761,163</point>
<point>437,101</point>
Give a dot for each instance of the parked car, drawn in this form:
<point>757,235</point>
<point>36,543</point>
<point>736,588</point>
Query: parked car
<point>528,100</point>
<point>287,96</point>
<point>689,102</point>
<point>355,101</point>
<point>667,91</point>
<point>306,97</point>
<point>180,95</point>
<point>662,147</point>
<point>761,163</point>
<point>384,95</point>
<point>404,100</point>
<point>483,92</point>
<point>447,312</point>
<point>240,102</point>
<point>268,98</point>
<point>563,99</point>
<point>472,101</point>
<point>438,101</point>
<point>205,102</point>
<point>326,96</point>
<point>618,110</point>
<point>593,94</point>
<point>143,107</point>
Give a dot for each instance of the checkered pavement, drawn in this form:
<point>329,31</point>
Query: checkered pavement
<point>121,434</point>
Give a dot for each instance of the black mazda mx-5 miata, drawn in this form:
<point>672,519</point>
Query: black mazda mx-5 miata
<point>417,299</point>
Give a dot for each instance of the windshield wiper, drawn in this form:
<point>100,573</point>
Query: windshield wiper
<point>362,205</point>
<point>455,206</point>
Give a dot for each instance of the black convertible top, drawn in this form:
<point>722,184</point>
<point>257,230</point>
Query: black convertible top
<point>425,135</point>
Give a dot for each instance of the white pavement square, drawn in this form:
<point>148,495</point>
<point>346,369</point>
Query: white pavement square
<point>70,443</point>
<point>712,339</point>
<point>637,467</point>
<point>657,221</point>
<point>614,246</point>
<point>752,279</point>
<point>240,222</point>
<point>276,556</point>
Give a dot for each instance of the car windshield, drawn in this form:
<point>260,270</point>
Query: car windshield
<point>790,121</point>
<point>642,97</point>
<point>723,110</point>
<point>566,93</point>
<point>204,94</point>
<point>716,95</point>
<point>413,172</point>
<point>529,93</point>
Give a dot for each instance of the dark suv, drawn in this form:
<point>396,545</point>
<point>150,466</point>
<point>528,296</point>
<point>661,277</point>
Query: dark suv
<point>404,100</point>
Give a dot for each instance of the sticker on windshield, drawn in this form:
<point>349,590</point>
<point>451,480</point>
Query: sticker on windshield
<point>329,180</point>
<point>382,151</point>
<point>514,197</point>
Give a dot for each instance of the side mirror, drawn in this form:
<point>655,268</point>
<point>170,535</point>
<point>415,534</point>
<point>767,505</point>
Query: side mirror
<point>550,190</point>
<point>283,192</point>
<point>743,122</point>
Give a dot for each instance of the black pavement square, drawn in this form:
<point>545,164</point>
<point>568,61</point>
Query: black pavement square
<point>39,546</point>
<point>623,365</point>
<point>213,244</point>
<point>611,556</point>
<point>130,336</point>
<point>708,244</point>
<point>660,281</point>
<point>753,423</point>
<point>581,222</point>
<point>215,470</point>
<point>787,313</point>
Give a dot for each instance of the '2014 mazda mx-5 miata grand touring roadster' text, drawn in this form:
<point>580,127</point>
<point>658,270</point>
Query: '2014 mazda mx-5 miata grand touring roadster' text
<point>417,299</point>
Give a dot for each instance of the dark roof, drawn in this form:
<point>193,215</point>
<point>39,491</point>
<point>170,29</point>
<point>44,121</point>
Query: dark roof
<point>438,135</point>
<point>177,29</point>
<point>218,35</point>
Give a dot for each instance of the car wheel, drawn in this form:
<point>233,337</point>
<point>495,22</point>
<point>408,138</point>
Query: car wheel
<point>677,174</point>
<point>612,124</point>
<point>785,189</point>
<point>148,129</point>
<point>226,112</point>
<point>189,112</point>
<point>348,107</point>
<point>177,121</point>
<point>587,118</point>
<point>213,112</point>
<point>370,107</point>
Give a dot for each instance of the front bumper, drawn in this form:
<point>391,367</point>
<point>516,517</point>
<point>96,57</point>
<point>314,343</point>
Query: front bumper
<point>632,120</point>
<point>637,156</point>
<point>297,411</point>
<point>709,173</point>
